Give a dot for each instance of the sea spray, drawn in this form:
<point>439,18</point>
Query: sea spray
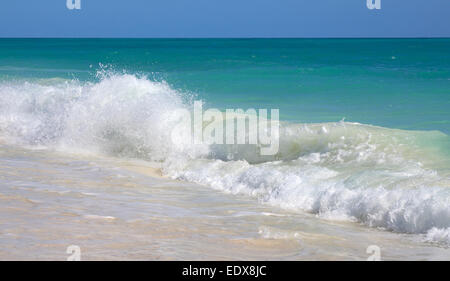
<point>387,178</point>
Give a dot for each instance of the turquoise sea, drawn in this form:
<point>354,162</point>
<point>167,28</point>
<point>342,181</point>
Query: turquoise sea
<point>364,150</point>
<point>396,83</point>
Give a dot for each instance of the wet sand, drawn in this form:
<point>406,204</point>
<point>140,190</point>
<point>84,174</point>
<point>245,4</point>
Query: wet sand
<point>125,210</point>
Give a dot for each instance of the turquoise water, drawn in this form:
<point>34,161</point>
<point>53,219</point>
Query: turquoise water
<point>396,83</point>
<point>364,137</point>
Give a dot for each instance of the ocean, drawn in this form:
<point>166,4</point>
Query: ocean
<point>87,159</point>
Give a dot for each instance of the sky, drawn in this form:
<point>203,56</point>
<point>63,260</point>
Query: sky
<point>225,18</point>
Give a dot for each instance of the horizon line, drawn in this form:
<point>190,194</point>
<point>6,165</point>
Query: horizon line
<point>256,37</point>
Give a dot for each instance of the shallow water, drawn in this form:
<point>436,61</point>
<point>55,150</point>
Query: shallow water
<point>50,201</point>
<point>363,159</point>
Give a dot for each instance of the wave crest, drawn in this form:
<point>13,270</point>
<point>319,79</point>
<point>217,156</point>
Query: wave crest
<point>342,171</point>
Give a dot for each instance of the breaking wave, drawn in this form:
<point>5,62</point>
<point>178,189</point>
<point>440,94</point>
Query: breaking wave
<point>393,179</point>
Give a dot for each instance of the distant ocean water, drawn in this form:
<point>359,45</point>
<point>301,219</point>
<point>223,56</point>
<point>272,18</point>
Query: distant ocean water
<point>364,135</point>
<point>396,83</point>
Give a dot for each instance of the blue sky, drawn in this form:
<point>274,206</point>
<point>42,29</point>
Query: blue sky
<point>225,18</point>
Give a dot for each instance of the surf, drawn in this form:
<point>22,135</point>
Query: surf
<point>392,179</point>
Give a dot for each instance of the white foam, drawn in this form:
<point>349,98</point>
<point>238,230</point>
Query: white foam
<point>338,171</point>
<point>438,235</point>
<point>121,115</point>
<point>97,217</point>
<point>351,172</point>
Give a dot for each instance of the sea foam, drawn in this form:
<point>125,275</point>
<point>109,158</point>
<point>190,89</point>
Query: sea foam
<point>386,178</point>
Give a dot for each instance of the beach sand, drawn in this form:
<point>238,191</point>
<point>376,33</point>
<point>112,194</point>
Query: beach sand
<point>125,210</point>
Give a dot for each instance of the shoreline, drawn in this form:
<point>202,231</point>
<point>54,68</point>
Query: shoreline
<point>122,210</point>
